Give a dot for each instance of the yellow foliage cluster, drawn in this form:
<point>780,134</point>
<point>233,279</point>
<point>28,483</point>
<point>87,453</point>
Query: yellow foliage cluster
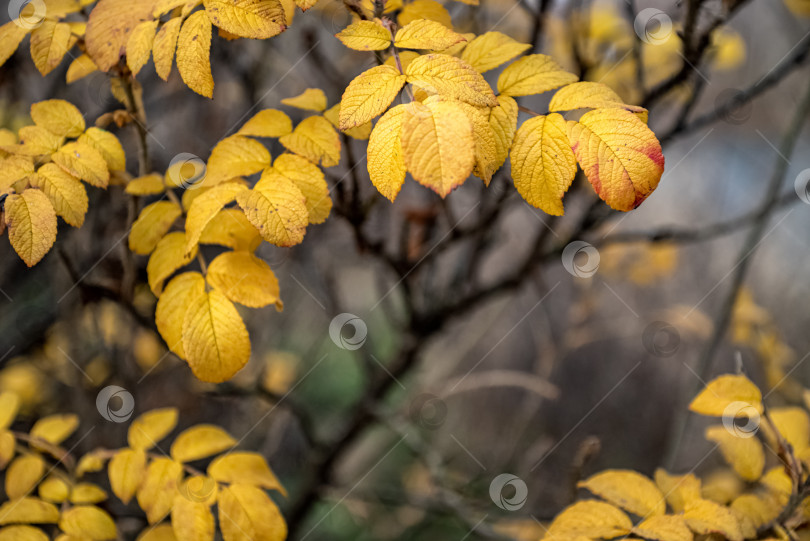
<point>46,485</point>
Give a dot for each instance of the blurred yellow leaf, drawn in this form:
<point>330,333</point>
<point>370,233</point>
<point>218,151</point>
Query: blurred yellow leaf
<point>590,518</point>
<point>50,42</point>
<point>627,489</point>
<point>490,50</point>
<point>149,428</point>
<point>200,441</point>
<point>152,224</point>
<point>159,487</point>
<point>109,27</point>
<point>424,9</point>
<point>247,513</point>
<point>55,429</point>
<point>312,99</point>
<point>54,489</point>
<point>9,405</point>
<point>87,493</point>
<point>139,45</point>
<point>192,520</point>
<point>533,74</point>
<point>245,468</point>
<point>87,521</point>
<point>22,533</point>
<point>11,35</point>
<point>28,511</point>
<point>23,474</point>
<point>744,454</point>
<point>146,185</point>
<point>168,256</point>
<point>126,471</point>
<point>728,390</point>
<point>426,34</point>
<point>678,489</point>
<point>664,528</point>
<point>706,517</point>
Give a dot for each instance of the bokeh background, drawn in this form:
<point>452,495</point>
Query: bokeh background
<point>548,379</point>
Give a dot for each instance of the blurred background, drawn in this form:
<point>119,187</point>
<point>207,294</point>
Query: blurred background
<point>475,345</point>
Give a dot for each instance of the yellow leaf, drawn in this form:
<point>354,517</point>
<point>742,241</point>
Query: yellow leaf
<point>109,27</point>
<point>84,162</point>
<point>424,9</point>
<point>369,94</point>
<point>728,395</point>
<point>679,489</point>
<point>277,208</point>
<point>205,207</point>
<point>11,35</point>
<point>35,141</point>
<point>22,533</point>
<point>798,7</point>
<point>316,140</point>
<point>192,520</point>
<point>161,532</point>
<point>793,424</point>
<point>200,441</point>
<point>161,7</point>
<point>588,95</point>
<point>146,185</point>
<point>215,339</point>
<point>503,121</point>
<point>159,487</point>
<point>452,78</point>
<point>164,45</point>
<point>360,132</point>
<point>744,454</point>
<point>533,74</point>
<point>23,474</point>
<point>7,447</point>
<point>543,164</point>
<point>312,99</point>
<point>50,42</point>
<point>235,156</point>
<point>172,307</point>
<point>14,168</point>
<point>267,123</point>
<point>244,468</point>
<point>590,518</point>
<point>151,427</point>
<point>88,522</point>
<point>126,471</point>
<point>721,486</point>
<point>664,528</point>
<point>28,510</point>
<point>54,489</point>
<point>310,180</point>
<point>255,19</point>
<point>107,145</point>
<point>231,228</point>
<point>31,222</point>
<point>365,36</point>
<point>55,429</point>
<point>81,67</point>
<point>200,488</point>
<point>59,117</point>
<point>193,54</point>
<point>152,225</point>
<point>629,490</point>
<point>9,405</point>
<point>438,145</point>
<point>244,278</point>
<point>490,50</point>
<point>426,34</point>
<point>756,510</point>
<point>139,45</point>
<point>246,513</point>
<point>619,154</point>
<point>485,146</point>
<point>706,517</point>
<point>90,463</point>
<point>66,193</point>
<point>169,255</point>
<point>87,493</point>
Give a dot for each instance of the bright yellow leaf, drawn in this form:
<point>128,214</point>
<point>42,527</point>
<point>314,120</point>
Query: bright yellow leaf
<point>485,150</point>
<point>316,140</point>
<point>35,141</point>
<point>28,510</point>
<point>590,518</point>
<point>452,78</point>
<point>235,156</point>
<point>312,99</point>
<point>231,228</point>
<point>255,19</point>
<point>126,471</point>
<point>149,428</point>
<point>66,193</point>
<point>81,67</point>
<point>22,533</point>
<point>424,9</point>
<point>54,489</point>
<point>438,144</point>
<point>725,391</point>
<point>109,27</point>
<point>244,468</point>
<point>139,45</point>
<point>206,206</point>
<point>664,528</point>
<point>59,117</point>
<point>503,121</point>
<point>192,520</point>
<point>245,279</point>
<point>55,429</point>
<point>215,339</point>
<point>14,168</point>
<point>267,123</point>
<point>88,522</point>
<point>152,225</point>
<point>11,35</point>
<point>793,424</point>
<point>278,210</point>
<point>194,54</point>
<point>369,94</point>
<point>159,487</point>
<point>706,517</point>
<point>200,441</point>
<point>365,36</point>
<point>168,256</point>
<point>247,513</point>
<point>31,222</point>
<point>87,493</point>
<point>588,95</point>
<point>9,405</point>
<point>151,184</point>
<point>84,162</point>
<point>679,489</point>
<point>619,154</point>
<point>172,306</point>
<point>360,132</point>
<point>426,34</point>
<point>23,474</point>
<point>533,74</point>
<point>490,50</point>
<point>164,45</point>
<point>50,42</point>
<point>312,183</point>
<point>107,145</point>
<point>629,490</point>
<point>744,454</point>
